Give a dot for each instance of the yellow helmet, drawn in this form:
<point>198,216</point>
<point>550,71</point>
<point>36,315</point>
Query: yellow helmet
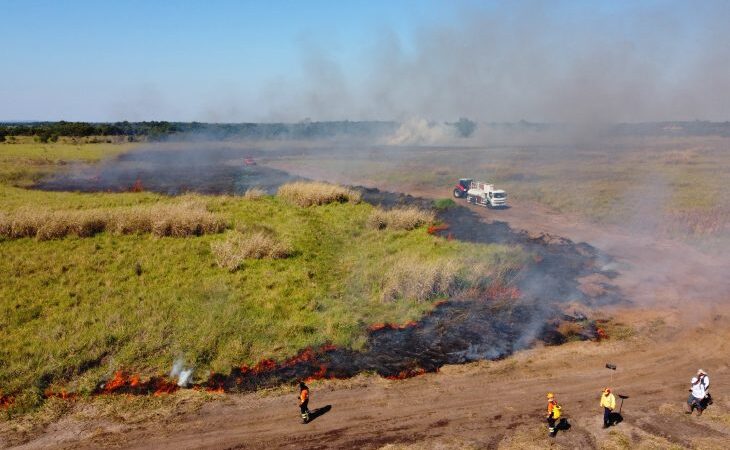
<point>550,395</point>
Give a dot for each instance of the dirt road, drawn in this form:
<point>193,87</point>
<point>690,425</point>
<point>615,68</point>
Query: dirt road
<point>485,405</point>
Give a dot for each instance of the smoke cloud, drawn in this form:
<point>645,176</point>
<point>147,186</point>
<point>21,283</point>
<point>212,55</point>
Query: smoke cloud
<point>544,62</point>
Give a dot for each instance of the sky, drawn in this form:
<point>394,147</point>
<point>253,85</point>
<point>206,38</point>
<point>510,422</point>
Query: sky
<point>243,61</point>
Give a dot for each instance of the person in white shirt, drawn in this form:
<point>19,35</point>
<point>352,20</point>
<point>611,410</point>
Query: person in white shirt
<point>698,392</point>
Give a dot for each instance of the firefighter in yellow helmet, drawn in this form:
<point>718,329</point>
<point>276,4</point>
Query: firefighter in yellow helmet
<point>553,414</point>
<point>608,403</point>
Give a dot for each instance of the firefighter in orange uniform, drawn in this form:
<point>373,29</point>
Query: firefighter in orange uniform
<point>304,401</point>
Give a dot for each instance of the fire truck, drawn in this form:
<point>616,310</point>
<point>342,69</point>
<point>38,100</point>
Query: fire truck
<point>480,193</point>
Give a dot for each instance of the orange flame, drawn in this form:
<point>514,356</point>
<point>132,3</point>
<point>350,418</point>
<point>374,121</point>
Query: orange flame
<point>392,326</point>
<point>407,373</point>
<point>6,401</point>
<point>321,373</point>
<point>117,382</point>
<point>498,291</point>
<point>433,229</point>
<point>137,186</point>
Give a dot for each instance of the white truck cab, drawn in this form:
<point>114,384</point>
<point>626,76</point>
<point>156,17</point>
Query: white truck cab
<point>485,194</point>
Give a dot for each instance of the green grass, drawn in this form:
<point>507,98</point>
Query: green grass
<point>25,162</point>
<point>74,310</point>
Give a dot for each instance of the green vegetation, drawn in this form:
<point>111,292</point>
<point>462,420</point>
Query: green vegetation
<point>25,162</point>
<point>76,308</point>
<point>443,204</point>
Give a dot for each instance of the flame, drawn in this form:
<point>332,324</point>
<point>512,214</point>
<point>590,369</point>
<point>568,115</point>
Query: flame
<point>601,333</point>
<point>303,356</point>
<point>498,291</point>
<point>117,382</point>
<point>6,401</point>
<point>137,186</point>
<point>392,326</point>
<point>433,229</point>
<point>320,374</point>
<point>163,386</point>
<point>407,373</point>
<point>62,395</point>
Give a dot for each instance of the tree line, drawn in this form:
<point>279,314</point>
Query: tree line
<point>158,130</point>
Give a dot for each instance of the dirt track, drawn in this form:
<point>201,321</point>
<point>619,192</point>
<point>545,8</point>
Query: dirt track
<point>499,404</point>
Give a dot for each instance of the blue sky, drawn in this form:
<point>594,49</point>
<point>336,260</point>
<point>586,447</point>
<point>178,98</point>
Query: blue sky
<point>286,60</point>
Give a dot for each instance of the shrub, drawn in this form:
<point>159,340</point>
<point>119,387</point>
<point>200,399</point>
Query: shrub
<point>52,226</point>
<point>254,193</point>
<point>177,220</point>
<point>25,223</point>
<point>184,220</point>
<point>231,253</point>
<point>400,218</point>
<point>130,221</point>
<point>5,225</point>
<point>316,193</point>
<point>443,204</point>
<point>88,223</point>
<point>412,279</point>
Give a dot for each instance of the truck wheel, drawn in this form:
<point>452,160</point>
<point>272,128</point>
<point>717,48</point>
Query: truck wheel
<point>457,193</point>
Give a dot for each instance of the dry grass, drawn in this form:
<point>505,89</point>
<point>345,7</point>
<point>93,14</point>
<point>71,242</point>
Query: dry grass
<point>400,218</point>
<point>316,193</point>
<point>254,193</point>
<point>177,220</point>
<point>231,253</point>
<point>420,281</point>
<point>186,219</point>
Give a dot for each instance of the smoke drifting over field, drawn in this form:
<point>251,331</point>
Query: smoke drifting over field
<point>535,61</point>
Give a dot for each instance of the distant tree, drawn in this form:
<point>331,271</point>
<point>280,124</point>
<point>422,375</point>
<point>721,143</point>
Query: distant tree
<point>465,127</point>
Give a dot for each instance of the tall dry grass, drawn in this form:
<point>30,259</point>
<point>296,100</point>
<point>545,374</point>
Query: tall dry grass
<point>231,253</point>
<point>177,220</point>
<point>254,193</point>
<point>316,193</point>
<point>400,218</point>
<point>413,279</point>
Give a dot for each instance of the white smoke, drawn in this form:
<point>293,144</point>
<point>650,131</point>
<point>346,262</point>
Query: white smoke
<point>422,132</point>
<point>182,374</point>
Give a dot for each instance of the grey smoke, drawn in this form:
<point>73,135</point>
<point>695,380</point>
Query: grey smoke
<point>545,62</point>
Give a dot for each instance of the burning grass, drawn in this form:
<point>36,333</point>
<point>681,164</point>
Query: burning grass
<point>74,311</point>
<point>400,218</point>
<point>231,253</point>
<point>187,218</point>
<point>316,193</point>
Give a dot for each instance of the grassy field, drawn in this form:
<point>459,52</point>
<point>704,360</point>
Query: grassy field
<point>74,310</point>
<point>24,162</point>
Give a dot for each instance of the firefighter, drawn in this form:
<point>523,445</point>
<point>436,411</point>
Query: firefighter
<point>304,401</point>
<point>608,403</point>
<point>698,393</point>
<point>553,414</point>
